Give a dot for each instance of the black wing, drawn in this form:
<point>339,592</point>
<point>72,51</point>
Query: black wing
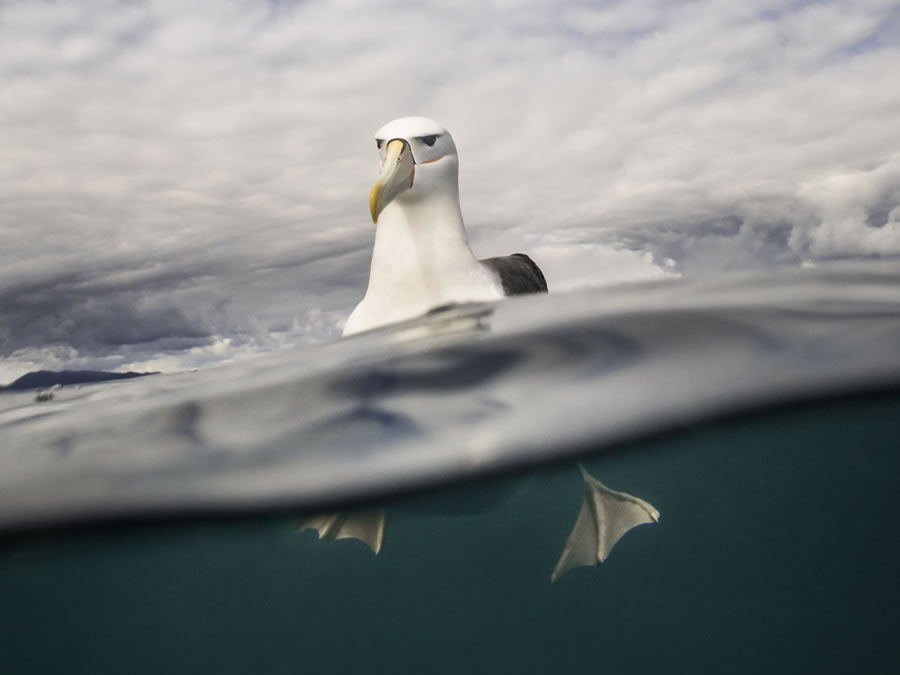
<point>518,273</point>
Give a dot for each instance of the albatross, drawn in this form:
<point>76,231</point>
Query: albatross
<point>422,260</point>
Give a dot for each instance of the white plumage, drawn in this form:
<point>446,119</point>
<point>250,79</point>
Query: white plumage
<point>422,256</point>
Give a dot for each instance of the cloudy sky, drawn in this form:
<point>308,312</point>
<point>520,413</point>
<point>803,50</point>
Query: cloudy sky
<point>186,183</point>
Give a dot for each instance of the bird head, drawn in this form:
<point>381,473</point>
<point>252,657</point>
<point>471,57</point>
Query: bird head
<point>418,159</point>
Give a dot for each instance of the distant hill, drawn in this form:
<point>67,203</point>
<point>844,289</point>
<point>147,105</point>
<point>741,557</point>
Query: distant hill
<point>42,379</point>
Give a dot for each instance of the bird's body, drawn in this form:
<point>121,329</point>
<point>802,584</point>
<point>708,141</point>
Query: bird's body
<point>422,258</point>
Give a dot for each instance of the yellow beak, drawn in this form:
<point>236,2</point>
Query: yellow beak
<point>397,175</point>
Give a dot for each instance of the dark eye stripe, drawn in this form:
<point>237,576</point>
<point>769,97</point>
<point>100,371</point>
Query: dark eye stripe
<point>378,142</point>
<point>427,140</point>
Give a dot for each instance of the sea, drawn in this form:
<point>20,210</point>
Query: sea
<point>159,524</point>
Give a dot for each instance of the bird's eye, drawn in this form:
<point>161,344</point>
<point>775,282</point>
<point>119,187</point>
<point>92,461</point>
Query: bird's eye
<point>428,140</point>
<point>378,143</point>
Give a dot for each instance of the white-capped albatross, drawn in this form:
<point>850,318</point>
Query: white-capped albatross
<point>422,260</point>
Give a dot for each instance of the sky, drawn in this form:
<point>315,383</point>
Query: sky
<point>183,184</point>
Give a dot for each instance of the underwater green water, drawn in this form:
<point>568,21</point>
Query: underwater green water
<point>777,550</point>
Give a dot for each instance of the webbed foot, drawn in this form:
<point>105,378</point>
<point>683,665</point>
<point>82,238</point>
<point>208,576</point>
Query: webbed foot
<point>605,516</point>
<point>367,526</point>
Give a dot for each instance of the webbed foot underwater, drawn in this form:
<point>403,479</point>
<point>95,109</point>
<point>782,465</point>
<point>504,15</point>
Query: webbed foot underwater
<point>605,516</point>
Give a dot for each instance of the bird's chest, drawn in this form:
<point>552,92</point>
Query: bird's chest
<point>412,274</point>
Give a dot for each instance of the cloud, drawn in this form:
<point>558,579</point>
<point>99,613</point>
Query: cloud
<point>854,213</point>
<point>182,183</point>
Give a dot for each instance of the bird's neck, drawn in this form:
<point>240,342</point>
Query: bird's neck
<point>422,255</point>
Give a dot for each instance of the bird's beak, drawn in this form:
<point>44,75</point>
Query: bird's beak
<point>397,174</point>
